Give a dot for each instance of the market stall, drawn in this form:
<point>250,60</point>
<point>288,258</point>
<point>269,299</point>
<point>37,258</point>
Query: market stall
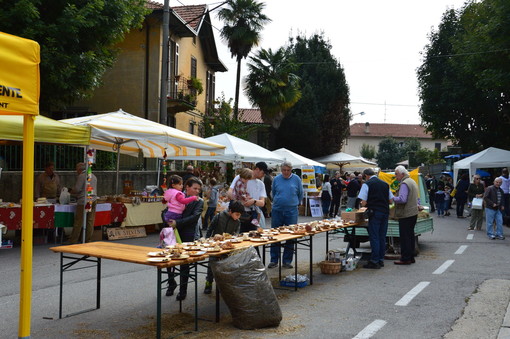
<point>124,133</point>
<point>19,74</point>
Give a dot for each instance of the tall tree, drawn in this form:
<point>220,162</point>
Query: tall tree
<point>220,120</point>
<point>272,86</point>
<point>322,114</point>
<point>244,21</point>
<point>388,153</point>
<point>77,41</point>
<point>367,151</point>
<point>463,81</point>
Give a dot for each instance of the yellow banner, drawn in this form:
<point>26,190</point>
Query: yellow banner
<point>19,75</point>
<point>389,178</point>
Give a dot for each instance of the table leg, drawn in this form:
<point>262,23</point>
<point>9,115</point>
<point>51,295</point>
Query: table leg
<point>217,304</point>
<point>196,297</point>
<point>311,259</point>
<point>98,285</point>
<point>327,242</point>
<point>61,285</point>
<point>158,305</point>
<point>295,264</point>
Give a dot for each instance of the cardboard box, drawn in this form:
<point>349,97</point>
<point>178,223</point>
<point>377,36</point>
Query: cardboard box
<point>357,217</point>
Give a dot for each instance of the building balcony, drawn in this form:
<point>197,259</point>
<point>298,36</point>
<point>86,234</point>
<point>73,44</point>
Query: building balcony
<point>182,96</point>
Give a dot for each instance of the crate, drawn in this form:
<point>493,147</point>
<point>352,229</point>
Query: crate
<point>293,283</point>
<point>328,267</point>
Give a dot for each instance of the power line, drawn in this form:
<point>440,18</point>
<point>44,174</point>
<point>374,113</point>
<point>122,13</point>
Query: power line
<point>471,53</point>
<point>383,104</point>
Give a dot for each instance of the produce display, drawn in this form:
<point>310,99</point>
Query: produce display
<point>226,242</point>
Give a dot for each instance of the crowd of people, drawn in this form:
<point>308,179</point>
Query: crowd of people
<point>477,195</point>
<point>254,194</point>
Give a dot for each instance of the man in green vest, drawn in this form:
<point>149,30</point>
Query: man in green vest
<point>406,211</point>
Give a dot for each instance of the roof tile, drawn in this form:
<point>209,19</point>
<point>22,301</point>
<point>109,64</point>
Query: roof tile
<point>394,130</point>
<point>250,115</point>
<point>191,15</point>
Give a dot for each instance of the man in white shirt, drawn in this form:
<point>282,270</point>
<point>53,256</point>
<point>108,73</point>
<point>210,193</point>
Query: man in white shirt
<point>257,192</point>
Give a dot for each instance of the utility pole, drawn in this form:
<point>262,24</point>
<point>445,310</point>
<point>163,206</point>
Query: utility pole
<point>164,65</point>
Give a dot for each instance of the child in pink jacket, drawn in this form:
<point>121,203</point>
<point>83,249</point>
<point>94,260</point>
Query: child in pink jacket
<point>176,201</point>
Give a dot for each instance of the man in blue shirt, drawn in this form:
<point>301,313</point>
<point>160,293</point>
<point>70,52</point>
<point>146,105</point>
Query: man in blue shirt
<point>375,194</point>
<point>287,193</point>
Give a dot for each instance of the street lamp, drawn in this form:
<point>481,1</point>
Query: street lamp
<point>360,113</point>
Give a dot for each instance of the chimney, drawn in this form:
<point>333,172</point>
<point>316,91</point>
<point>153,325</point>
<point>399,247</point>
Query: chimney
<point>367,127</point>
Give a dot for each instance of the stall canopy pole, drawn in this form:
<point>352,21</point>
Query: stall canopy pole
<point>84,220</point>
<point>117,173</point>
<point>27,217</point>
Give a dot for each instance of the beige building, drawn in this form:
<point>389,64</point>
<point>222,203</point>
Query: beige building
<point>372,134</point>
<point>133,83</point>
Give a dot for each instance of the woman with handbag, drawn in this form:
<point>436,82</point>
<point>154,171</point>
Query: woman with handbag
<point>475,191</point>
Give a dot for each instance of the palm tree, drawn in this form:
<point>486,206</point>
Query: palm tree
<point>271,85</point>
<point>243,23</point>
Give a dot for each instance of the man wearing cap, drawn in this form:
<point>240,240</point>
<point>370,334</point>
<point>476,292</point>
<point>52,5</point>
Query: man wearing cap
<point>257,192</point>
<point>375,194</point>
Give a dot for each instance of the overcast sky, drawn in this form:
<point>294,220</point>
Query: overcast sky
<point>377,42</point>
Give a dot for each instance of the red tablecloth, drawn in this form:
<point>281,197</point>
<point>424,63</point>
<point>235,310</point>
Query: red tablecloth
<point>119,212</point>
<point>44,217</point>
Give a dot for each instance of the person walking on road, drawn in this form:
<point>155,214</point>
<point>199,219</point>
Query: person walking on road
<point>505,186</point>
<point>352,191</point>
<point>287,195</point>
<point>476,190</point>
<point>326,196</point>
<point>461,195</point>
<point>494,209</point>
<point>406,211</point>
<point>337,185</point>
<point>375,194</point>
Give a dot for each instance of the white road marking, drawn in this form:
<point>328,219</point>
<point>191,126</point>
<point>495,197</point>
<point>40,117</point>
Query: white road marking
<point>461,249</point>
<point>371,329</point>
<point>406,299</point>
<point>470,236</point>
<point>443,267</point>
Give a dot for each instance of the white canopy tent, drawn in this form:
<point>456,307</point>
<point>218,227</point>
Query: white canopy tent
<point>236,150</point>
<point>489,158</point>
<point>346,161</point>
<point>296,159</point>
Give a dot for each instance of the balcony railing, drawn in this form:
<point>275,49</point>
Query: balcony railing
<point>181,96</point>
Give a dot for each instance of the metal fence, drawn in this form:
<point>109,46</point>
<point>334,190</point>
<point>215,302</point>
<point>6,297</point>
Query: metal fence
<point>66,157</point>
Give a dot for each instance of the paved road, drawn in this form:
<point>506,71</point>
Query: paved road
<point>419,301</point>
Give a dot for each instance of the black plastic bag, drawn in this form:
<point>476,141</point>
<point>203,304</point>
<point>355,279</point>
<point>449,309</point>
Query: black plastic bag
<point>245,286</point>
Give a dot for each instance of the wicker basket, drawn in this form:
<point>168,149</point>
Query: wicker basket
<point>330,267</point>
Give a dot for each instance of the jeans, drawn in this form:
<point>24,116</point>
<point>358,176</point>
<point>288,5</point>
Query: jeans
<point>377,228</point>
<point>506,200</point>
<point>440,207</point>
<point>280,218</point>
<point>491,216</point>
<point>325,207</point>
<point>407,244</point>
<point>209,214</point>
